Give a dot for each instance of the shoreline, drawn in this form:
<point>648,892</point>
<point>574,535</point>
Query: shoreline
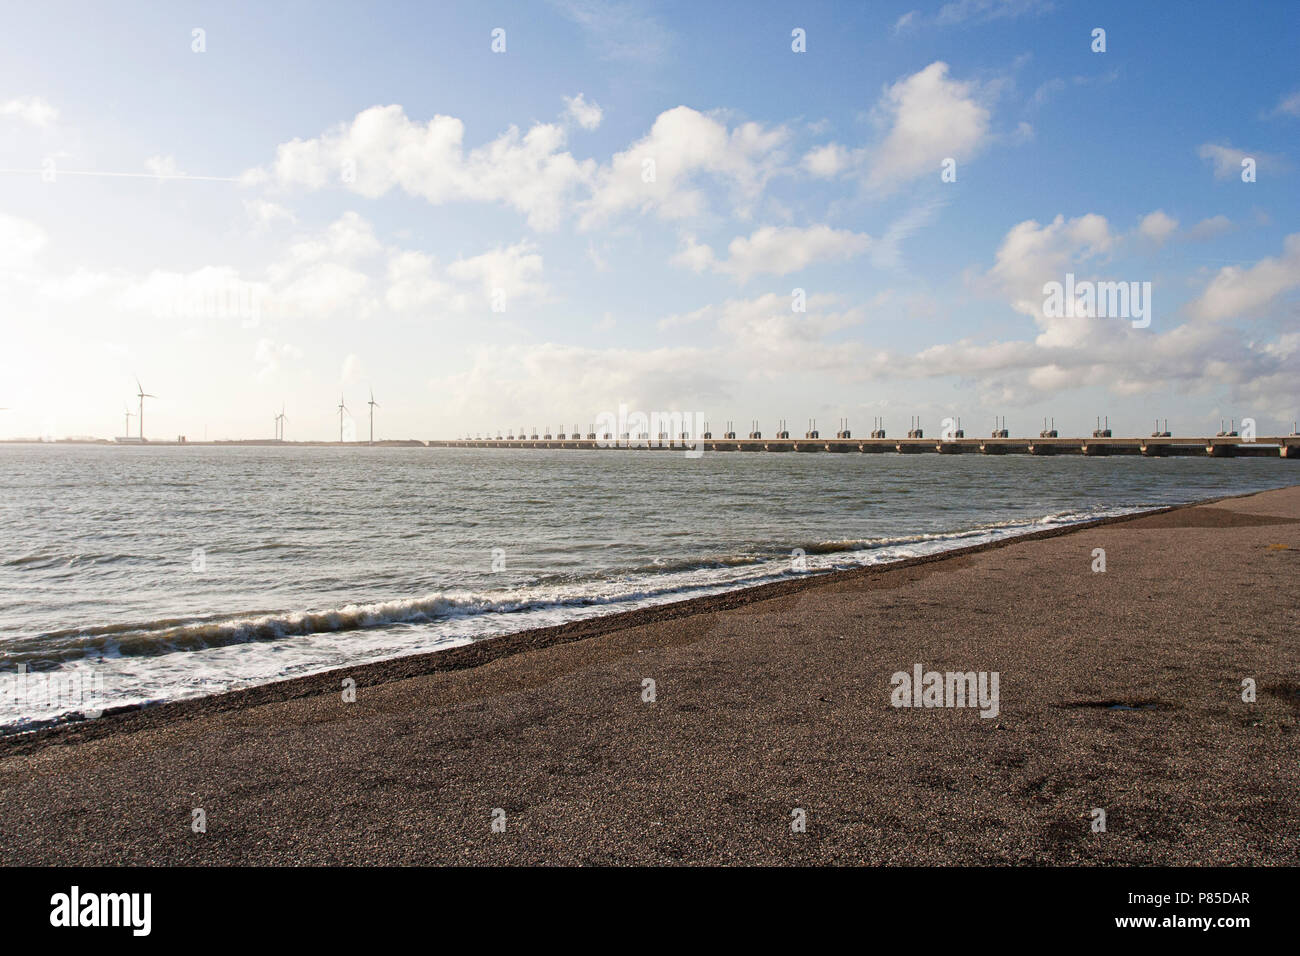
<point>1120,693</point>
<point>486,650</point>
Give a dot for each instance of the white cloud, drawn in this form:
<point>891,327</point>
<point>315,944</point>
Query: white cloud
<point>20,242</point>
<point>775,250</point>
<point>210,292</point>
<point>587,115</point>
<point>1290,104</point>
<point>516,270</point>
<point>324,289</point>
<point>324,273</point>
<point>1235,292</point>
<point>1208,228</point>
<point>693,255</point>
<point>270,357</point>
<point>658,172</point>
<point>886,252</point>
<point>413,284</point>
<point>347,239</point>
<point>381,150</point>
<point>1032,254</point>
<point>907,21</point>
<point>575,384</point>
<point>30,109</point>
<point>1158,226</point>
<point>266,214</point>
<point>930,118</point>
<point>164,167</point>
<point>1226,159</point>
<point>827,162</point>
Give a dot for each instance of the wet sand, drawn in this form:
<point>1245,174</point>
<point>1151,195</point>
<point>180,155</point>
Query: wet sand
<point>1119,690</point>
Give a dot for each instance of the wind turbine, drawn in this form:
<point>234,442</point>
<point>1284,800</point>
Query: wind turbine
<point>373,405</point>
<point>142,396</point>
<point>127,433</point>
<point>279,424</point>
<point>342,408</point>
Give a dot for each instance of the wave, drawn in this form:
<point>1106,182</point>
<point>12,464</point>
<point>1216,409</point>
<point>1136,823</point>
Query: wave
<point>991,529</point>
<point>657,583</point>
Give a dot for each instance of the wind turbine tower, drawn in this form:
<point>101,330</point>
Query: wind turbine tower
<point>373,405</point>
<point>142,396</point>
<point>342,410</point>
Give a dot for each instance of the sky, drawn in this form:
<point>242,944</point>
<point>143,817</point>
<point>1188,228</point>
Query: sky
<point>519,215</point>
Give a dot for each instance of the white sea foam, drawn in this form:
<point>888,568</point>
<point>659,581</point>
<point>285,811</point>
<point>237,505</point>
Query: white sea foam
<point>175,658</point>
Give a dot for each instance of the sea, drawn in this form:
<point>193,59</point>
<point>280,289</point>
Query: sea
<point>139,574</point>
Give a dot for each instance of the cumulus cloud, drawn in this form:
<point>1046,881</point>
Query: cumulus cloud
<point>1032,254</point>
<point>576,383</point>
<point>270,358</point>
<point>30,109</point>
<point>348,238</point>
<point>413,283</point>
<point>1236,292</point>
<point>664,172</point>
<point>930,118</point>
<point>324,289</point>
<point>340,270</point>
<point>382,150</point>
<point>513,270</point>
<point>578,110</point>
<point>265,214</point>
<point>659,172</point>
<point>1080,352</point>
<point>827,162</point>
<point>775,250</point>
<point>164,167</point>
<point>1208,228</point>
<point>20,242</point>
<point>1225,159</point>
<point>1158,226</point>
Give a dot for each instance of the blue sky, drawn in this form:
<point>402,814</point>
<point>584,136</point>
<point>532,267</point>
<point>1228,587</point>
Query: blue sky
<point>516,180</point>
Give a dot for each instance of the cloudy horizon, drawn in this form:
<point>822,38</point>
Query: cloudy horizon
<point>512,217</point>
